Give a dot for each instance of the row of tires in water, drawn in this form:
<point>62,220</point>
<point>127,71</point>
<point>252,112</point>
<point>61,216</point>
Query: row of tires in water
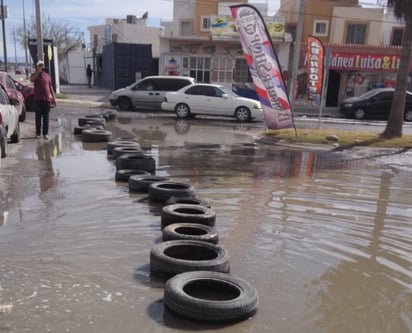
<point>196,268</point>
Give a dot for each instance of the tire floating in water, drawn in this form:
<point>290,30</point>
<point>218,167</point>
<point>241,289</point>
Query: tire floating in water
<point>190,231</point>
<point>180,213</point>
<point>178,256</point>
<point>142,183</point>
<point>163,191</point>
<point>210,297</point>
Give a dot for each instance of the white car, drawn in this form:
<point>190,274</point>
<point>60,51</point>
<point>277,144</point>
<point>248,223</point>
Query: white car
<point>9,122</point>
<point>211,99</point>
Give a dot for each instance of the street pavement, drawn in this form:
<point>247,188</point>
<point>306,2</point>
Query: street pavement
<point>78,94</point>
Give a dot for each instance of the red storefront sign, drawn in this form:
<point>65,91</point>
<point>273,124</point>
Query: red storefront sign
<point>364,62</point>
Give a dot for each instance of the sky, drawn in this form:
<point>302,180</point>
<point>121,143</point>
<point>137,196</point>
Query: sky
<point>79,14</point>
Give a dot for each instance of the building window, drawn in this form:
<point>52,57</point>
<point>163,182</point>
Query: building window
<point>355,33</point>
<point>197,67</point>
<point>114,38</point>
<point>205,23</point>
<point>186,28</point>
<point>397,35</point>
<point>222,70</point>
<point>320,28</point>
<point>241,73</point>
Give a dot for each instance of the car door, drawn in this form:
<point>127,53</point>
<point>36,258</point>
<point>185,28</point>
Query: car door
<point>9,113</point>
<point>380,104</point>
<point>143,94</point>
<point>218,102</point>
<point>195,98</point>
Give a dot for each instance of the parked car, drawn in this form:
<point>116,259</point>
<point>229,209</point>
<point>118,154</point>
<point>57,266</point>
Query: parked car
<point>9,122</point>
<point>211,99</point>
<point>7,82</point>
<point>148,93</point>
<point>28,93</point>
<point>375,104</point>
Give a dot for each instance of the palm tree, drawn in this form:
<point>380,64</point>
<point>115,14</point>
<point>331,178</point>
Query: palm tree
<point>402,10</point>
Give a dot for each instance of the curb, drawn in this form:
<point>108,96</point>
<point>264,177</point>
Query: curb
<point>83,103</point>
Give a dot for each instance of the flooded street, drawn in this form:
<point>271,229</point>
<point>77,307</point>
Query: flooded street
<point>325,237</point>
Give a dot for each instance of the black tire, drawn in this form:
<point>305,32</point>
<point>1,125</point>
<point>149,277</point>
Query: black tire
<point>96,135</point>
<point>242,114</point>
<point>136,161</point>
<point>110,114</point>
<point>94,115</point>
<point>408,115</point>
<point>182,111</point>
<point>178,256</point>
<point>190,231</point>
<point>359,114</point>
<point>187,200</point>
<point>210,297</point>
<point>91,121</point>
<point>163,191</point>
<point>124,103</point>
<point>30,104</point>
<point>15,137</point>
<point>181,213</point>
<point>22,116</point>
<point>3,146</point>
<point>78,130</point>
<point>120,143</point>
<point>119,151</point>
<point>142,183</point>
<point>124,174</point>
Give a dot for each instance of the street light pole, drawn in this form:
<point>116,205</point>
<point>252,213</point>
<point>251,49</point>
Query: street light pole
<point>40,55</point>
<point>4,35</point>
<point>25,42</point>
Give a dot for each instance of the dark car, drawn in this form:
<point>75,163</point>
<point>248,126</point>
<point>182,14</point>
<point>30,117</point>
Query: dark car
<point>374,104</point>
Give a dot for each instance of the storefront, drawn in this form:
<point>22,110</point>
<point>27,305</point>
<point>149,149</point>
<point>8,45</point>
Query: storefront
<point>354,70</point>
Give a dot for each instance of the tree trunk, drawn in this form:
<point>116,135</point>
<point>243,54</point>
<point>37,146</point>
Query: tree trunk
<point>395,122</point>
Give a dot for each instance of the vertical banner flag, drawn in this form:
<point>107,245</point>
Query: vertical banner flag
<point>315,56</point>
<point>263,66</point>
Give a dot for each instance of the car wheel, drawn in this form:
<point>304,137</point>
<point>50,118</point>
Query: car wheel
<point>30,104</point>
<point>359,114</point>
<point>22,117</point>
<point>210,296</point>
<point>408,115</point>
<point>178,256</point>
<point>3,146</point>
<point>124,103</point>
<point>15,137</point>
<point>182,111</point>
<point>242,113</point>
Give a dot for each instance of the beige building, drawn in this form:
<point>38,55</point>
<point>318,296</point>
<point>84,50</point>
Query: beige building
<point>190,45</point>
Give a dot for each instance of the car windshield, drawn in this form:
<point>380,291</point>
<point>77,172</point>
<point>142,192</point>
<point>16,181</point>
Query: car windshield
<point>369,93</point>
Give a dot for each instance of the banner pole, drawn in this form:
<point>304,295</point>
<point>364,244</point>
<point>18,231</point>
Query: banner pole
<point>324,84</point>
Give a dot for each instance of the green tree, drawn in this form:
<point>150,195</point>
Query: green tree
<point>402,10</point>
<point>65,37</point>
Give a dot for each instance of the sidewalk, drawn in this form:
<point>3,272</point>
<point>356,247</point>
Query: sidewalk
<point>79,94</point>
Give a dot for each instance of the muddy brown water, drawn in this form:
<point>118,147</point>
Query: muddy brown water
<point>325,238</point>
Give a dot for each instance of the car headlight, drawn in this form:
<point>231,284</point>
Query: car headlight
<point>257,106</point>
<point>347,105</point>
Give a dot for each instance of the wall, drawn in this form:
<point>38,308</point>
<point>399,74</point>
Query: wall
<point>372,16</point>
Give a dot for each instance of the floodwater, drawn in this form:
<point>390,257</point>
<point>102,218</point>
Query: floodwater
<point>325,237</point>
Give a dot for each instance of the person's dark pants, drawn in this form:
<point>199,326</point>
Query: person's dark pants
<point>42,109</point>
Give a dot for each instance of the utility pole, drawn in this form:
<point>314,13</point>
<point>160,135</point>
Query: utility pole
<point>3,17</point>
<point>40,55</point>
<point>25,42</point>
<point>296,53</point>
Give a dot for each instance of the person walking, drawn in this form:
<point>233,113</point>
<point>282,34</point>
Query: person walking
<point>89,73</point>
<point>43,96</point>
